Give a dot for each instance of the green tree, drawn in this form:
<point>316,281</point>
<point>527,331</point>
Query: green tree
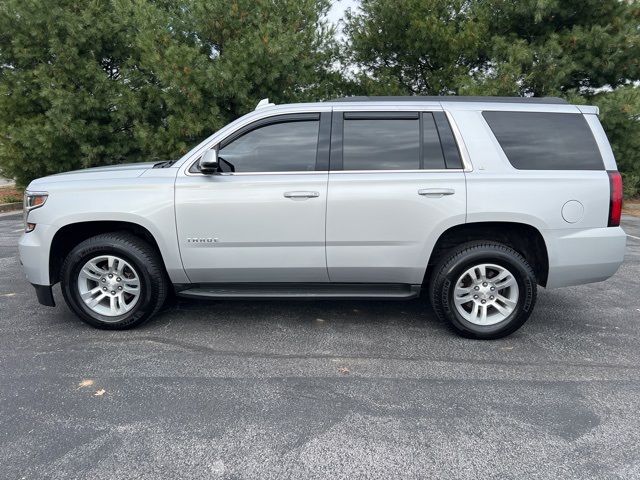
<point>584,50</point>
<point>554,47</point>
<point>87,82</point>
<point>620,114</point>
<point>414,47</point>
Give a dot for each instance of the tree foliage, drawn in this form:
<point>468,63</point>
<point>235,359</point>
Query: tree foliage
<point>620,115</point>
<point>414,47</point>
<point>87,82</point>
<point>553,47</point>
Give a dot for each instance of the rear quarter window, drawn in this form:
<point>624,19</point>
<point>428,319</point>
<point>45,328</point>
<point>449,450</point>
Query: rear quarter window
<point>545,141</point>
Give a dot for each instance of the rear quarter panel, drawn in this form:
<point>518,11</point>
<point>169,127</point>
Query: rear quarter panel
<point>581,251</point>
<point>498,192</point>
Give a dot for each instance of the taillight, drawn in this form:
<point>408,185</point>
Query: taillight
<point>615,199</point>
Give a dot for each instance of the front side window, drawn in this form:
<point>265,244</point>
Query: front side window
<point>277,147</point>
<point>381,144</point>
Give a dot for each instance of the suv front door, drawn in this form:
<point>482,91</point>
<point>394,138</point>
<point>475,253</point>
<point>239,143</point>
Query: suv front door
<point>262,219</point>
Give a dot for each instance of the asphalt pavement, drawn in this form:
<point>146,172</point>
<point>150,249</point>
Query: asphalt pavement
<point>320,389</point>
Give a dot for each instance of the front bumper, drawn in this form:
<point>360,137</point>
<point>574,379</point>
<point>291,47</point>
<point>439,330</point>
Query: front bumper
<point>584,256</point>
<point>34,250</point>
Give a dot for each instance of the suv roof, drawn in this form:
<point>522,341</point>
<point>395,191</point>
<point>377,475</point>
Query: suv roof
<point>453,98</point>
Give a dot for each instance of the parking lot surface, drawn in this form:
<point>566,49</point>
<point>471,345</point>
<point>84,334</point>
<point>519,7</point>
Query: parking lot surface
<point>320,389</point>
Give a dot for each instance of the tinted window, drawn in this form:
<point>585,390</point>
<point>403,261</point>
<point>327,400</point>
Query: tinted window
<point>381,144</point>
<point>432,156</point>
<point>279,147</point>
<point>448,141</point>
<point>545,141</point>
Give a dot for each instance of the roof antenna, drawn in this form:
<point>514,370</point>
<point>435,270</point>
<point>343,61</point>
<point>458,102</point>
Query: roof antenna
<point>264,103</point>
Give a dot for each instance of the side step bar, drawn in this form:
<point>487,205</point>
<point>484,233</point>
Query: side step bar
<point>299,290</point>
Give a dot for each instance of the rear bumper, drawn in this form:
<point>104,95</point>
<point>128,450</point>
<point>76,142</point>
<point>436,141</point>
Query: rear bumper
<point>584,256</point>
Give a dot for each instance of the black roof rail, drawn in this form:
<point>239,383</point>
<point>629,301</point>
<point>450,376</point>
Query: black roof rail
<point>454,98</point>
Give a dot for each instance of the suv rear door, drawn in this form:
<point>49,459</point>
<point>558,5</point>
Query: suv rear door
<point>396,182</point>
<point>265,221</point>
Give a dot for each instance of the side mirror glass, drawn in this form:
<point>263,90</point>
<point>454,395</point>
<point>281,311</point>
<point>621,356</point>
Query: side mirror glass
<point>209,162</point>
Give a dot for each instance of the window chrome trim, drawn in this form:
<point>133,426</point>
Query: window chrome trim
<point>302,108</point>
<point>464,153</point>
<point>242,174</point>
<point>325,172</point>
<point>420,170</point>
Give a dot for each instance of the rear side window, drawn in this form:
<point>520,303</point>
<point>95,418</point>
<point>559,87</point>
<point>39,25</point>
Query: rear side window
<point>394,141</point>
<point>381,144</point>
<point>432,156</point>
<point>545,141</point>
<point>448,141</point>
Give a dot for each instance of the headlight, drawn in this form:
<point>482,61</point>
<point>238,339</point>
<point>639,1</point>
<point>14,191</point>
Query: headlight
<point>32,200</point>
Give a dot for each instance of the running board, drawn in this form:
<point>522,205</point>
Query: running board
<point>301,290</point>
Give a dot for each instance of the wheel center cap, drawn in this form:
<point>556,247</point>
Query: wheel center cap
<point>485,292</point>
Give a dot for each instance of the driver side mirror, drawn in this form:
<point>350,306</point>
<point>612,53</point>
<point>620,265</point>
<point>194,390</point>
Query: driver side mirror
<point>208,163</point>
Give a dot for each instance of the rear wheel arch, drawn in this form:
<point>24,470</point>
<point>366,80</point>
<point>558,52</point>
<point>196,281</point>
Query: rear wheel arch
<point>71,235</point>
<point>523,238</point>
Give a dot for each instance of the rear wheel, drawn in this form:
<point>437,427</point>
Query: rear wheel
<point>485,290</point>
<point>114,281</point>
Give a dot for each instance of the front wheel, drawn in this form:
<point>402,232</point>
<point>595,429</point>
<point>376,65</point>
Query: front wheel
<point>485,290</point>
<point>114,281</point>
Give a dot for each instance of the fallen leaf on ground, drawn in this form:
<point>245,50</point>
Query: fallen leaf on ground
<point>506,348</point>
<point>85,383</point>
<point>319,319</point>
<point>99,393</point>
<point>343,370</point>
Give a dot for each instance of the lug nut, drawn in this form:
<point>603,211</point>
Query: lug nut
<point>119,279</point>
<point>484,284</point>
<point>483,301</point>
<point>113,292</point>
<point>475,296</point>
<point>104,288</point>
<point>120,288</point>
<point>491,297</point>
<point>476,288</point>
<point>493,288</point>
<point>104,279</point>
<point>110,275</point>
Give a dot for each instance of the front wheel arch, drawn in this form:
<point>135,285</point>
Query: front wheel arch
<point>71,235</point>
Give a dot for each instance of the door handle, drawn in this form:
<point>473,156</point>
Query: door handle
<point>301,194</point>
<point>436,192</point>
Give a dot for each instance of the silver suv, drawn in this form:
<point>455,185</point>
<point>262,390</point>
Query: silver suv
<point>476,201</point>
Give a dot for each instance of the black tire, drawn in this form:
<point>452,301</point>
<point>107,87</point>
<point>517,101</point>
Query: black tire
<point>456,261</point>
<point>154,284</point>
